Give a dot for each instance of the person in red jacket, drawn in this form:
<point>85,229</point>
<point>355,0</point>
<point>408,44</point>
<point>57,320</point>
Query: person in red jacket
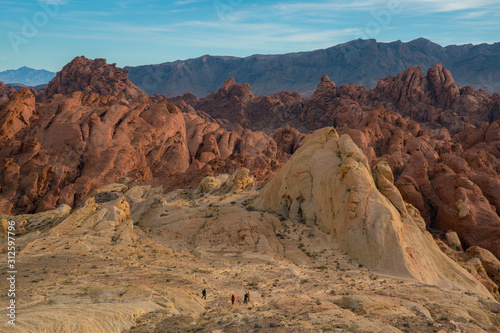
<point>232,299</point>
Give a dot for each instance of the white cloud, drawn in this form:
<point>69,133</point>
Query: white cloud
<point>55,2</point>
<point>448,5</point>
<point>321,8</point>
<point>472,15</point>
<point>187,2</point>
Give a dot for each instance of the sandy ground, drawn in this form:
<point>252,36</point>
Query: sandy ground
<point>84,278</point>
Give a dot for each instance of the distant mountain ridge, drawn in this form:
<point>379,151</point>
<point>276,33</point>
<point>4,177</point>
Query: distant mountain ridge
<point>362,62</point>
<point>27,76</point>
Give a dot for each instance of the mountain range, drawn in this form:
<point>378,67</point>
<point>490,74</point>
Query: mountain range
<point>27,76</point>
<point>362,62</point>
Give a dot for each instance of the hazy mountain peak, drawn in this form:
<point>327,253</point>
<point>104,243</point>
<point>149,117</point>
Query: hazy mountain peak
<point>27,76</point>
<point>360,61</point>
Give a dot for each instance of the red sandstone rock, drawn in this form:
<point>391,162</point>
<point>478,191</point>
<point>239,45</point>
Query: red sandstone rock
<point>5,93</point>
<point>87,76</point>
<point>59,151</point>
<point>15,114</point>
<point>288,139</point>
<point>441,141</point>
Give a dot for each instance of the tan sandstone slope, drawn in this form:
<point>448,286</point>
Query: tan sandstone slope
<point>328,182</point>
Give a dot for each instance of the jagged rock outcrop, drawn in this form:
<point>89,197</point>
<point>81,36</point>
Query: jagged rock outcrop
<point>60,150</point>
<point>5,93</point>
<point>329,182</point>
<point>87,76</point>
<point>234,103</point>
<point>433,99</point>
<point>436,98</point>
<point>453,188</point>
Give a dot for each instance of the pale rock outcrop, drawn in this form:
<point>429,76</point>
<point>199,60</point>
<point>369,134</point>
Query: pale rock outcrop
<point>238,181</point>
<point>208,185</point>
<point>328,182</point>
<point>453,240</point>
<point>489,261</point>
<point>105,228</point>
<point>384,179</point>
<point>131,258</point>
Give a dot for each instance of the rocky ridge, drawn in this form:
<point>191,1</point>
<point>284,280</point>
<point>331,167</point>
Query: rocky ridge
<point>362,62</point>
<point>433,99</point>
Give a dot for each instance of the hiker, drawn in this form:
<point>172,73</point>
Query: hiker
<point>245,298</point>
<point>204,294</point>
<point>232,299</point>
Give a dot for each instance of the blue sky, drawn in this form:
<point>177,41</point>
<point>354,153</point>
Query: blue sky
<point>49,33</point>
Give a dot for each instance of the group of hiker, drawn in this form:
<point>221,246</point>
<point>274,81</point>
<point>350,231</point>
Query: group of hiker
<point>246,297</point>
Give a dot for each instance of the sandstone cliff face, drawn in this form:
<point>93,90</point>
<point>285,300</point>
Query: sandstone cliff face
<point>329,182</point>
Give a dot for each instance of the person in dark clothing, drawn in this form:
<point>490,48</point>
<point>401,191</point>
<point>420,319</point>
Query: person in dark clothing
<point>232,299</point>
<point>245,298</point>
<point>204,294</point>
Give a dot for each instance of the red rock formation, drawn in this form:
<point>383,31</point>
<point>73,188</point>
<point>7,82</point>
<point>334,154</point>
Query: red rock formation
<point>60,150</point>
<point>433,99</point>
<point>92,127</point>
<point>236,104</point>
<point>288,139</point>
<point>453,188</point>
<point>5,93</point>
<point>87,76</point>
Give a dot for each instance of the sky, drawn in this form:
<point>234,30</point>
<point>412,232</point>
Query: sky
<point>47,34</point>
